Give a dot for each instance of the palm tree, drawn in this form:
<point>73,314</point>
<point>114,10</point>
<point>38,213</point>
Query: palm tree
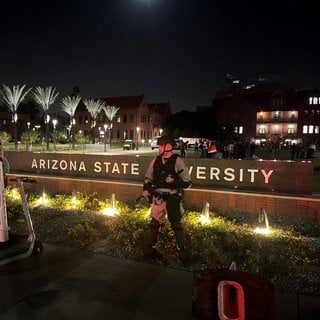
<point>111,112</point>
<point>69,105</point>
<point>12,99</point>
<point>45,98</point>
<point>94,107</point>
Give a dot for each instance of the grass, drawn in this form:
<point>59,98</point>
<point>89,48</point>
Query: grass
<point>290,257</point>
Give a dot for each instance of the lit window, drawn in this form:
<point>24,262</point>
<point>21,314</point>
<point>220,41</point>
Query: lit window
<point>261,115</point>
<point>314,100</point>
<point>310,129</point>
<point>305,129</point>
<point>316,129</point>
<point>290,130</point>
<point>240,130</point>
<point>276,114</point>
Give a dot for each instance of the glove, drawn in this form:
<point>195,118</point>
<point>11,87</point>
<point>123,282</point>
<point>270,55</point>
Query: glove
<point>145,193</point>
<point>147,186</point>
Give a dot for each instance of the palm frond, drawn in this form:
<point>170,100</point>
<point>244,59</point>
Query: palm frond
<point>13,97</point>
<point>111,111</point>
<point>69,104</point>
<point>94,106</point>
<point>45,97</point>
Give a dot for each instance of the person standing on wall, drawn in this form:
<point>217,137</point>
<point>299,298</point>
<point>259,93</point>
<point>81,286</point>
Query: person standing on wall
<point>166,178</point>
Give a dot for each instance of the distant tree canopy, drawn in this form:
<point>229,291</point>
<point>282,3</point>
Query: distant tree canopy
<point>184,123</point>
<point>33,110</point>
<point>193,124</point>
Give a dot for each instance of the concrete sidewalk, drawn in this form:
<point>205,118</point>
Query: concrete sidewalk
<point>66,284</point>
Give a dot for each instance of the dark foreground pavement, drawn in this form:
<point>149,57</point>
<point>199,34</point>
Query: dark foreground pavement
<point>66,284</point>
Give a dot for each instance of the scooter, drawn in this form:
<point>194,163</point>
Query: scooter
<point>15,247</point>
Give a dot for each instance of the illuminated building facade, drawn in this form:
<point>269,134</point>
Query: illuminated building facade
<point>136,119</point>
<point>270,112</point>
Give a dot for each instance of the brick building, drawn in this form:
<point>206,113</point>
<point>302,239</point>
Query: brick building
<point>7,125</point>
<point>269,110</point>
<point>136,119</point>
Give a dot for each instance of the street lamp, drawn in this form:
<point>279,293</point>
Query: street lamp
<point>99,135</point>
<point>110,128</point>
<point>161,130</point>
<point>138,129</point>
<point>28,135</point>
<point>105,137</point>
<point>54,122</point>
<point>72,132</point>
<point>69,133</point>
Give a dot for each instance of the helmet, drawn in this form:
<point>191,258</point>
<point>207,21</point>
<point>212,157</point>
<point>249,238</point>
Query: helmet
<point>165,140</point>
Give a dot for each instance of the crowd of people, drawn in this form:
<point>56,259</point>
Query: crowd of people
<point>207,148</point>
<point>300,151</point>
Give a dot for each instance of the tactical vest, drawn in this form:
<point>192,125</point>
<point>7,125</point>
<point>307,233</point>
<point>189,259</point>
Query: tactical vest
<point>162,170</point>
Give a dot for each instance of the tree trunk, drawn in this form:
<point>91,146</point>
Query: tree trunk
<point>15,135</point>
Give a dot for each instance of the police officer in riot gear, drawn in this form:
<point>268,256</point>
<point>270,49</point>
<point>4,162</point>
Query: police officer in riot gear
<point>165,179</point>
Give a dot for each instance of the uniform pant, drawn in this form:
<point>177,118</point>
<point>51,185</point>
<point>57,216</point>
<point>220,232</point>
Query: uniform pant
<point>173,207</point>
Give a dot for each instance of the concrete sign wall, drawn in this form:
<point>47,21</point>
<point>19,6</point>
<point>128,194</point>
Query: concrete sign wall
<point>278,177</point>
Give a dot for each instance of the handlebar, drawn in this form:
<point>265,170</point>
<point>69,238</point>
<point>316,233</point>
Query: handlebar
<point>24,179</point>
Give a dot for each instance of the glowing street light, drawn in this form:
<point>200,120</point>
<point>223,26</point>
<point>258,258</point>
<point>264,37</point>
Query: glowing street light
<point>54,123</point>
<point>105,137</point>
<point>138,129</point>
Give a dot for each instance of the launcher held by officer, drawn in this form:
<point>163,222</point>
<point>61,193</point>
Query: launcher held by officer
<point>164,182</point>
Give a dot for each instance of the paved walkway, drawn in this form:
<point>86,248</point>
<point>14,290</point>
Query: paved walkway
<point>66,284</point>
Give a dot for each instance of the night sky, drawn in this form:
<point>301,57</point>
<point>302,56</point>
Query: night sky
<point>175,51</point>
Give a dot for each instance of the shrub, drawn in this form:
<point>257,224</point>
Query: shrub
<point>229,236</point>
